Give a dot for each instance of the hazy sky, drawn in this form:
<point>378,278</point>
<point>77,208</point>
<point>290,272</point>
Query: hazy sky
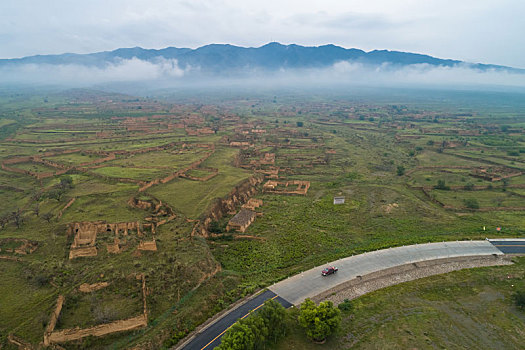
<point>488,31</point>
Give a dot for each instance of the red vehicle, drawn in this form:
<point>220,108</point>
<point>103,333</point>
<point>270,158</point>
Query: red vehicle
<point>329,270</point>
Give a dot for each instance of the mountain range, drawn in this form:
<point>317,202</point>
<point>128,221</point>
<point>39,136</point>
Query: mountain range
<point>218,58</point>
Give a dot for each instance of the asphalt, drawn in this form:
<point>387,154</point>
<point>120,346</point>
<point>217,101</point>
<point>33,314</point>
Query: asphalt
<point>510,246</point>
<point>210,337</point>
<point>307,284</point>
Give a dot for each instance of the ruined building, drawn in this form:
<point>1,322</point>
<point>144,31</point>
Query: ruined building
<point>241,220</point>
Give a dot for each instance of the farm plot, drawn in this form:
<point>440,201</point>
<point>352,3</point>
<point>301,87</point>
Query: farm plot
<point>121,299</point>
<point>484,199</point>
<point>192,198</point>
<point>452,177</point>
<point>73,159</point>
<point>172,159</point>
<point>140,174</point>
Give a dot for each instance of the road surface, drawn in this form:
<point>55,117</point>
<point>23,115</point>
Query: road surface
<point>510,245</point>
<point>308,284</point>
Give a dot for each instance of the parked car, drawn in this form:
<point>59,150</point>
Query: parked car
<point>329,270</point>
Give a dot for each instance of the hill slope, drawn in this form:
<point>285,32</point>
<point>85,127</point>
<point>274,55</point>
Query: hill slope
<point>217,58</point>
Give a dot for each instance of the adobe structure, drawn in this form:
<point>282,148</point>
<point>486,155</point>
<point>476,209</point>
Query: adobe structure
<point>85,235</point>
<point>287,187</point>
<point>252,204</point>
<point>241,220</point>
<point>241,144</point>
<point>19,246</point>
<point>88,288</point>
<point>238,196</point>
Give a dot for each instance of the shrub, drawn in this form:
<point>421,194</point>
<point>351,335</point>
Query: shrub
<point>441,185</point>
<point>471,203</point>
<point>215,227</point>
<point>345,306</point>
<point>519,299</point>
<point>469,187</point>
<point>400,170</point>
<point>41,280</point>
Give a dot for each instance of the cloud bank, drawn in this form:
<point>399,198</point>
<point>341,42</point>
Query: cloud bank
<point>132,70</point>
<point>169,73</point>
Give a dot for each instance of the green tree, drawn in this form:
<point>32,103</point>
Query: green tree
<point>300,124</point>
<point>239,337</point>
<point>273,315</point>
<point>255,331</point>
<point>400,170</point>
<point>17,217</point>
<point>258,328</point>
<point>55,193</point>
<point>47,216</point>
<point>66,182</point>
<point>319,321</point>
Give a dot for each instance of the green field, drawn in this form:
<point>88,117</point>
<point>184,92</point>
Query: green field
<point>132,173</point>
<point>372,151</point>
<point>174,159</point>
<point>192,198</point>
<point>118,301</point>
<point>486,199</point>
<point>74,158</point>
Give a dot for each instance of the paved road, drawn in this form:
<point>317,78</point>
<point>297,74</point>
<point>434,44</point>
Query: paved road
<point>295,289</point>
<point>211,336</point>
<point>310,283</point>
<point>510,245</point>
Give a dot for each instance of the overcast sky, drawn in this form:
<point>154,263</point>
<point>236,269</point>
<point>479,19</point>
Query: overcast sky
<point>487,31</point>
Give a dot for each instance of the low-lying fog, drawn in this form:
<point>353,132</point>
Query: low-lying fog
<point>167,73</point>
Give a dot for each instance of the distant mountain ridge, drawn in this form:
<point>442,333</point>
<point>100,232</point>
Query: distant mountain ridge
<point>217,58</point>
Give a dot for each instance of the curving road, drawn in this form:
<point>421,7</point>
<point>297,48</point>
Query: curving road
<point>510,245</point>
<point>310,283</point>
<point>293,290</point>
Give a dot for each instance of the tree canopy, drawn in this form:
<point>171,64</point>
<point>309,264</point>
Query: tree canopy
<point>257,330</point>
<point>319,321</point>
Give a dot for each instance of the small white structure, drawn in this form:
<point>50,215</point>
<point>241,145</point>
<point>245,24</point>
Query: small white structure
<point>339,200</point>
